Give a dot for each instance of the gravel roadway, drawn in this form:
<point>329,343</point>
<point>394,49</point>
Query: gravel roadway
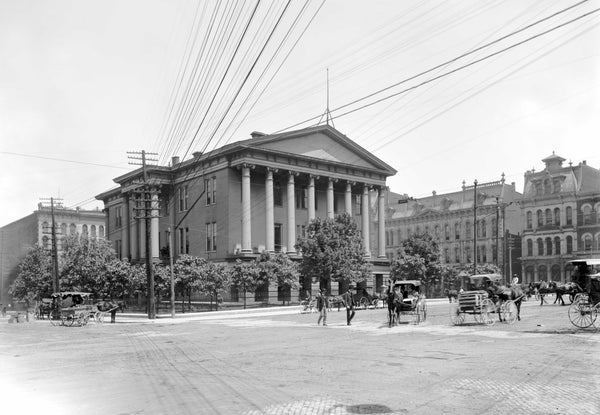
<point>278,361</point>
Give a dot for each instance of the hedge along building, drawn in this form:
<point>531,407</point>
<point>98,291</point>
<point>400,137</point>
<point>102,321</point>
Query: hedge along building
<point>253,196</point>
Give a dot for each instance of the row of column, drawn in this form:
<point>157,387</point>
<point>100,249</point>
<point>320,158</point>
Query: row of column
<point>291,211</point>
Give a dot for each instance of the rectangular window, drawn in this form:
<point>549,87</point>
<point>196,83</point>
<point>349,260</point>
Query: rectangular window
<point>358,204</point>
<point>181,241</point>
<point>277,194</point>
<point>278,237</point>
<point>187,240</point>
<point>118,217</point>
<point>301,231</point>
<point>210,188</point>
<point>301,197</point>
<point>183,198</point>
<point>457,231</point>
<point>119,248</point>
<point>211,236</point>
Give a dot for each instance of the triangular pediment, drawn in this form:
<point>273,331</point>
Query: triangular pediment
<point>321,143</point>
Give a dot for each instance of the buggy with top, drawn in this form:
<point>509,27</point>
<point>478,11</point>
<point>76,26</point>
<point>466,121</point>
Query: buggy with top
<point>584,311</point>
<point>404,297</point>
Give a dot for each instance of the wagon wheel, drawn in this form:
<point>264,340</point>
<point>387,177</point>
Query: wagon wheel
<point>596,316</point>
<point>509,312</point>
<point>99,317</point>
<point>580,314</point>
<point>68,320</point>
<point>85,319</point>
<point>488,309</point>
<point>364,303</point>
<point>456,317</point>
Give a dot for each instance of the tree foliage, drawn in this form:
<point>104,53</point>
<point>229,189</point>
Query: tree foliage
<point>418,258</point>
<point>34,279</point>
<point>333,250</point>
<point>278,268</point>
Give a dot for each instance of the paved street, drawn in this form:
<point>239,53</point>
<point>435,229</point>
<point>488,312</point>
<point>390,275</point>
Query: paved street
<point>278,361</point>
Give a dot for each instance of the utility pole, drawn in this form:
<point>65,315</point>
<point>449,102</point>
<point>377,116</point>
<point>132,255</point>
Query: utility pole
<point>497,226</point>
<point>55,280</point>
<point>147,200</point>
<point>475,227</point>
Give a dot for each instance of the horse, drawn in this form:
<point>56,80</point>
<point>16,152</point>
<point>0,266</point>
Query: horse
<point>503,293</point>
<point>570,288</point>
<point>335,301</point>
<point>542,288</point>
<point>451,294</point>
<point>394,303</point>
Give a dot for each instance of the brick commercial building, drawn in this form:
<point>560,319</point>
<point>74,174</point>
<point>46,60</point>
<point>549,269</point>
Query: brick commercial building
<point>561,218</point>
<point>18,237</point>
<point>252,196</point>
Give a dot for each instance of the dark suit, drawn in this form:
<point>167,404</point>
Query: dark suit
<point>349,302</point>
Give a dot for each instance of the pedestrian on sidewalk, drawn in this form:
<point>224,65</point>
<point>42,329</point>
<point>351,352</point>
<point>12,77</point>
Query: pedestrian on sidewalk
<point>349,302</point>
<point>322,306</point>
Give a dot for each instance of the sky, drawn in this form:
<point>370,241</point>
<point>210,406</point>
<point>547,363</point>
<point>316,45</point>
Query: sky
<point>442,90</point>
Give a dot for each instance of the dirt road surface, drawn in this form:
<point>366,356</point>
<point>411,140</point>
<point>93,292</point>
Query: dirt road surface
<point>278,361</point>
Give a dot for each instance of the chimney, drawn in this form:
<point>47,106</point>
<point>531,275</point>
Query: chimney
<point>257,134</point>
<point>174,160</point>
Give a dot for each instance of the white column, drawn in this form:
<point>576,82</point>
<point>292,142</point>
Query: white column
<point>154,251</point>
<point>348,198</point>
<point>270,219</point>
<point>142,235</point>
<point>246,211</point>
<point>291,200</point>
<point>365,220</point>
<point>330,198</point>
<point>311,198</point>
<point>381,223</point>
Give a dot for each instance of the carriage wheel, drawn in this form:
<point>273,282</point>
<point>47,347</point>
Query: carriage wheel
<point>596,316</point>
<point>509,312</point>
<point>580,314</point>
<point>99,317</point>
<point>488,309</point>
<point>456,317</point>
<point>68,320</point>
<point>364,303</point>
<point>85,319</point>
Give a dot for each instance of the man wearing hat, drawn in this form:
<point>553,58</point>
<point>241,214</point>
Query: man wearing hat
<point>322,306</point>
<point>349,302</point>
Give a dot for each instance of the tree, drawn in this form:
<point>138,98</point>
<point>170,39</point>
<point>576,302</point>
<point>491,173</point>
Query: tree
<point>215,279</point>
<point>280,269</point>
<point>84,264</point>
<point>35,276</point>
<point>188,271</point>
<point>245,275</point>
<point>121,278</point>
<point>419,259</point>
<point>333,251</point>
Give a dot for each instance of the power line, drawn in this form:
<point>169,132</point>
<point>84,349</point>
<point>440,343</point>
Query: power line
<point>60,159</point>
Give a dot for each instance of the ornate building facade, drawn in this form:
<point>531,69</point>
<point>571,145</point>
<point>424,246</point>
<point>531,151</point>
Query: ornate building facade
<point>561,213</point>
<point>470,224</point>
<point>18,237</point>
<point>253,196</point>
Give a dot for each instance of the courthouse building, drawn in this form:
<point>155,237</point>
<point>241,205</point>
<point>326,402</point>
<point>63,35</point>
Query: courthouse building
<point>17,238</point>
<point>253,196</point>
<point>561,213</point>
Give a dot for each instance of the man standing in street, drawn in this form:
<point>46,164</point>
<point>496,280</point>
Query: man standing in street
<point>322,306</point>
<point>349,302</point>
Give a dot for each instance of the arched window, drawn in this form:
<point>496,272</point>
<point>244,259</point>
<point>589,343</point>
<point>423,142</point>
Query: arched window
<point>569,244</point>
<point>46,227</point>
<point>557,245</point>
<point>72,229</point>
<point>555,272</point>
<point>408,232</point>
<point>538,188</point>
<point>548,217</point>
<point>436,231</point>
<point>84,230</point>
<point>478,229</point>
<point>427,229</point>
<point>418,230</point>
<point>548,246</point>
<point>494,227</point>
<point>457,231</point>
<point>46,242</point>
<point>457,254</point>
<point>543,273</point>
<point>101,231</point>
<point>529,274</point>
<point>483,228</point>
<point>547,187</point>
<point>447,231</point>
<point>540,246</point>
<point>93,231</point>
<point>587,214</point>
<point>529,220</point>
<point>557,216</point>
<point>529,247</point>
<point>587,242</point>
<point>540,218</point>
<point>569,214</point>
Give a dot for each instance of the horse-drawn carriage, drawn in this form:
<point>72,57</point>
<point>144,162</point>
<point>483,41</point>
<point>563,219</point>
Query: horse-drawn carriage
<point>73,308</point>
<point>584,311</point>
<point>405,298</point>
<point>484,298</point>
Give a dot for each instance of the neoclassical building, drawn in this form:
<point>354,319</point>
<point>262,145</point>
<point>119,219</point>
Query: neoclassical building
<point>561,213</point>
<point>18,237</point>
<point>450,218</point>
<point>252,196</point>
